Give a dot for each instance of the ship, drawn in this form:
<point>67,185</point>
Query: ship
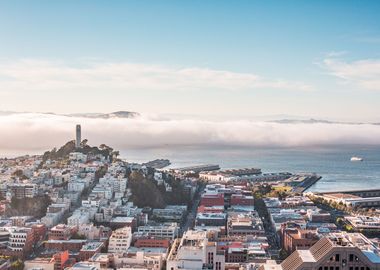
<point>356,159</point>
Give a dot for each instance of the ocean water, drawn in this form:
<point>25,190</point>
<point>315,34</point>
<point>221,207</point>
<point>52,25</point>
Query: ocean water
<point>331,162</point>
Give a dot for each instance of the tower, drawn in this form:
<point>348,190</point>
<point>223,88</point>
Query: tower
<point>78,139</point>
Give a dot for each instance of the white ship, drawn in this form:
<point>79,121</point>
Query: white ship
<point>356,159</point>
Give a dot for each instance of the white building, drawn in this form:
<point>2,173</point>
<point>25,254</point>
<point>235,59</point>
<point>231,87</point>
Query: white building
<point>139,259</point>
<point>78,217</point>
<point>120,240</point>
<point>77,156</point>
<point>167,230</point>
<point>158,178</point>
<point>195,251</point>
<point>18,238</point>
<point>77,186</point>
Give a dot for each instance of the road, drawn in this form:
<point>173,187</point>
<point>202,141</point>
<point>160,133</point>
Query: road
<point>189,223</point>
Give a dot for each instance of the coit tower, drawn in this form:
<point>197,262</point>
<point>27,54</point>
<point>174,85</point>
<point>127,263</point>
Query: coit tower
<point>78,136</point>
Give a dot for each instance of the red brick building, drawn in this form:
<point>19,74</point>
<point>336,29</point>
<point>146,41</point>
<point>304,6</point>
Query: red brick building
<point>212,199</point>
<point>240,199</point>
<point>39,231</point>
<point>296,238</point>
<point>152,242</point>
<point>90,249</point>
<point>60,260</point>
<point>60,232</point>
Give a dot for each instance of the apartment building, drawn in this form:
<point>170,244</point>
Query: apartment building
<point>164,231</point>
<point>337,251</point>
<point>195,251</point>
<point>120,240</point>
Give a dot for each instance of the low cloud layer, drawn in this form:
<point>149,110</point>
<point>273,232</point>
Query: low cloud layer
<point>31,132</point>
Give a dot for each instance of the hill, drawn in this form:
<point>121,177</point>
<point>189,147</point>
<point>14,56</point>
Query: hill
<point>64,151</point>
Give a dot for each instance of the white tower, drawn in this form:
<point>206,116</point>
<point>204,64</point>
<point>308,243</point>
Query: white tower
<point>78,136</point>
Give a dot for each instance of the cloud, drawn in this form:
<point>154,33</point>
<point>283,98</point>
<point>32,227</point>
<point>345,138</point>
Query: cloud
<point>54,75</point>
<point>31,132</point>
<point>363,73</point>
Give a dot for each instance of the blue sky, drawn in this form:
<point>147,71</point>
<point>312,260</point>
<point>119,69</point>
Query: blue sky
<point>242,58</point>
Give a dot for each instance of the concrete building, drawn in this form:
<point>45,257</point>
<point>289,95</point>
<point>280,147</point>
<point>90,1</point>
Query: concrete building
<point>173,213</point>
<point>164,231</point>
<point>120,240</point>
<point>139,260</point>
<point>80,216</point>
<point>21,191</point>
<point>57,262</point>
<point>90,249</point>
<point>195,251</point>
<point>364,223</point>
<point>151,242</point>
<point>92,232</point>
<point>212,199</point>
<point>240,199</point>
<point>72,245</point>
<point>20,239</point>
<point>244,224</point>
<point>296,238</point>
<point>211,219</point>
<point>60,232</point>
<point>337,251</point>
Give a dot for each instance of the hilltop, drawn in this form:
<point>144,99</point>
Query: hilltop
<point>64,151</point>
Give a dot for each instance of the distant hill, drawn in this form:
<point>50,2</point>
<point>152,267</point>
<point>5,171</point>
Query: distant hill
<point>118,114</point>
<point>313,121</point>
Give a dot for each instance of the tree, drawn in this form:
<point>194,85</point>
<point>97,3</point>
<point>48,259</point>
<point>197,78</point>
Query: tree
<point>283,254</point>
<point>84,143</point>
<point>17,265</point>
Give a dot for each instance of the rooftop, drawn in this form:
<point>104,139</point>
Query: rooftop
<point>92,246</point>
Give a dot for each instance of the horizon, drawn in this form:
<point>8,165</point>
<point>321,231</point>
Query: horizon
<point>205,58</point>
<point>193,134</point>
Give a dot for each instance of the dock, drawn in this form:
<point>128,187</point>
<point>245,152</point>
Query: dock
<point>199,168</point>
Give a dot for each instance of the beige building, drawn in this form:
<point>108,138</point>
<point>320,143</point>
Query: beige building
<point>337,251</point>
<point>195,251</point>
<point>120,240</point>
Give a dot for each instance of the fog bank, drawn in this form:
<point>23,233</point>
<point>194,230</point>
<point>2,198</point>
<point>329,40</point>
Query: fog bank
<point>31,132</point>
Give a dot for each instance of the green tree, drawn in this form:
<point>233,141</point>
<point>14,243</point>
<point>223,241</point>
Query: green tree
<point>17,265</point>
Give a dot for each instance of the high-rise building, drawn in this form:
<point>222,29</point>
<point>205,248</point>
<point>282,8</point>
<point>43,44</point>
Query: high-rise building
<point>78,136</point>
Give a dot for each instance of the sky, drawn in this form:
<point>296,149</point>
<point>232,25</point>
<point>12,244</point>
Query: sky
<point>219,59</point>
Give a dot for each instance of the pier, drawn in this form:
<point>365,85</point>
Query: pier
<point>199,168</point>
<point>364,193</point>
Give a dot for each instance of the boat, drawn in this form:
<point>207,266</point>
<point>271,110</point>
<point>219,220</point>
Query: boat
<point>356,159</point>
